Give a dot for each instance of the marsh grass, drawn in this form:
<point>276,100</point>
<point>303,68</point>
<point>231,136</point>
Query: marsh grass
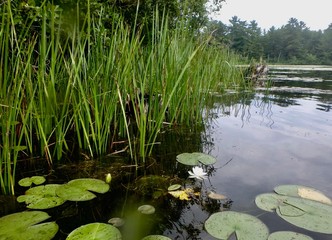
<point>88,88</point>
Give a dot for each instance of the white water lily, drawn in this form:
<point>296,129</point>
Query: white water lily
<point>198,173</point>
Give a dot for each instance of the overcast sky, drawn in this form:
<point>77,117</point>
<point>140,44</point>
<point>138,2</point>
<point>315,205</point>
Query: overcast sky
<point>316,14</point>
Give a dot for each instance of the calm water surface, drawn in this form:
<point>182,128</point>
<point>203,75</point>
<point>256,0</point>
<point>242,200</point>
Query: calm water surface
<point>266,139</point>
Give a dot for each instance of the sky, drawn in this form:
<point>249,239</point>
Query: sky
<point>316,14</point>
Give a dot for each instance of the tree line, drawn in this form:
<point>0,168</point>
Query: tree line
<point>293,43</point>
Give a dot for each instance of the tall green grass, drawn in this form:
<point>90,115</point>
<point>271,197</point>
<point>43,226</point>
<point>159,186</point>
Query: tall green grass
<point>63,90</point>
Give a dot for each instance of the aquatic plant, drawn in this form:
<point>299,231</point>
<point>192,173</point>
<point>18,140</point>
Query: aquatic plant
<point>27,225</point>
<point>309,212</point>
<point>94,231</point>
<point>42,197</point>
<point>198,173</point>
<point>28,181</point>
<point>222,225</point>
<point>66,96</point>
<point>195,158</point>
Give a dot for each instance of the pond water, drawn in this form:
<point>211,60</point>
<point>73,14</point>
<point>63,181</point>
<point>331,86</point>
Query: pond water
<point>260,139</point>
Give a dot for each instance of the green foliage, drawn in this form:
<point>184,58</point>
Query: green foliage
<point>70,87</point>
<point>195,158</point>
<point>27,182</point>
<point>281,235</point>
<point>293,43</point>
<point>309,212</point>
<point>27,225</point>
<point>80,189</point>
<point>42,197</point>
<point>222,225</point>
<point>94,231</point>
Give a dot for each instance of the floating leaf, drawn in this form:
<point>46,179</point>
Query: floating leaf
<point>193,159</point>
<point>76,194</point>
<point>303,192</point>
<point>79,189</point>
<point>222,225</point>
<point>187,159</point>
<point>269,201</point>
<point>146,209</point>
<point>174,187</point>
<point>304,213</point>
<point>216,196</point>
<point>284,235</point>
<point>156,237</point>
<point>24,225</point>
<point>316,216</point>
<point>95,231</point>
<point>183,194</point>
<point>116,222</point>
<point>42,197</point>
<point>203,158</point>
<point>27,182</point>
<point>94,185</point>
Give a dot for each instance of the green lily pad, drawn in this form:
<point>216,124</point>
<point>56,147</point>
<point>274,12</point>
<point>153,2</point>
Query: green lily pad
<point>284,235</point>
<point>24,225</point>
<point>42,197</point>
<point>146,209</point>
<point>94,185</point>
<point>95,231</point>
<point>303,192</point>
<point>27,182</point>
<point>269,201</point>
<point>222,225</point>
<point>116,222</point>
<point>193,159</point>
<point>316,216</point>
<point>79,189</point>
<point>174,187</point>
<point>305,213</point>
<point>156,237</point>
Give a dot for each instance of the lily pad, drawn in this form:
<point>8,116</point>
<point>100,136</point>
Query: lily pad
<point>193,159</point>
<point>269,201</point>
<point>303,192</point>
<point>316,216</point>
<point>42,197</point>
<point>94,185</point>
<point>146,209</point>
<point>156,237</point>
<point>174,187</point>
<point>95,231</point>
<point>27,182</point>
<point>222,225</point>
<point>116,222</point>
<point>216,196</point>
<point>285,235</point>
<point>308,214</point>
<point>79,189</point>
<point>24,225</point>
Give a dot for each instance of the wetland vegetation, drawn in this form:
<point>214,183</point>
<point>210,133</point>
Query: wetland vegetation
<point>72,88</point>
<point>106,120</point>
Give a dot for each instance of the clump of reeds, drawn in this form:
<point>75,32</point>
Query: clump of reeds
<point>90,87</point>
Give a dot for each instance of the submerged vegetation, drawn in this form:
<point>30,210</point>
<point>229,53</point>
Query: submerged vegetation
<point>68,92</point>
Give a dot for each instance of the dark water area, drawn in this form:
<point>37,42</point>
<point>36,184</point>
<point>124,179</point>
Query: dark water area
<point>261,139</point>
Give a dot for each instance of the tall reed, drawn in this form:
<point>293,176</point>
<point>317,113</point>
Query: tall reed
<point>87,87</point>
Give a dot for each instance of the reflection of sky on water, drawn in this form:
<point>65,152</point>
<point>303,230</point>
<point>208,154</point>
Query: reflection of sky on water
<point>270,146</point>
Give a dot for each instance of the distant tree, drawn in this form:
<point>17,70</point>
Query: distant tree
<point>326,45</point>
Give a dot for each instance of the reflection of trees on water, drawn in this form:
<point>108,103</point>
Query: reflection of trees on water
<point>243,105</point>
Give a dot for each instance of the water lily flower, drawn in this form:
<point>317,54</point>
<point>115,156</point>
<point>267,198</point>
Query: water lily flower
<point>198,173</point>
